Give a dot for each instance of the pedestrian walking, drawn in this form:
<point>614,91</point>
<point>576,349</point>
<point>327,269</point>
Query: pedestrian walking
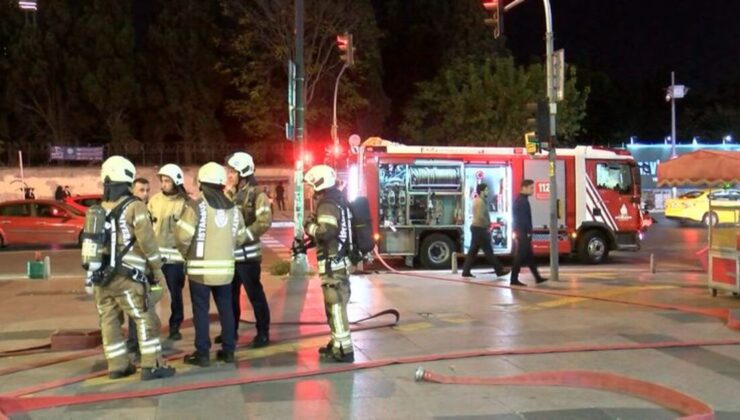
<point>481,235</point>
<point>59,193</point>
<point>523,253</point>
<point>280,196</point>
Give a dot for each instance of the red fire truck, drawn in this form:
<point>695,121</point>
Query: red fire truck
<point>421,198</point>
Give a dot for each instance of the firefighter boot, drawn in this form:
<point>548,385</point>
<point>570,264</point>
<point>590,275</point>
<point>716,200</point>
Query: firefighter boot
<point>159,372</point>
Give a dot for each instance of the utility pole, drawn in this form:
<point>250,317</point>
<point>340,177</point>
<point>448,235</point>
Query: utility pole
<point>673,114</point>
<point>674,92</point>
<point>496,8</point>
<point>552,153</point>
<point>299,263</point>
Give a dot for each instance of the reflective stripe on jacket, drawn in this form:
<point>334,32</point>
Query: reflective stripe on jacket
<point>135,222</point>
<point>207,237</point>
<point>165,211</point>
<point>255,208</point>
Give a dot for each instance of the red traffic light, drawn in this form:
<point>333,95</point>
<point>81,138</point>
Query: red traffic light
<point>495,18</point>
<point>346,48</point>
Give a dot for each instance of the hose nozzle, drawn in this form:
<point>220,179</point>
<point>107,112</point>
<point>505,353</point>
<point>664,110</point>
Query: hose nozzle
<point>419,376</point>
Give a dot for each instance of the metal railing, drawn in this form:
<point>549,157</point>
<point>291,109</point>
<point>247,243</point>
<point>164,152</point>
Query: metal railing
<point>38,154</point>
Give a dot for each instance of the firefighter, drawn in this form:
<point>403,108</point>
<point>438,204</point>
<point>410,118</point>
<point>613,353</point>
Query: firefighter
<point>207,234</point>
<point>480,235</point>
<point>165,207</point>
<point>126,288</point>
<point>329,229</point>
<point>257,214</point>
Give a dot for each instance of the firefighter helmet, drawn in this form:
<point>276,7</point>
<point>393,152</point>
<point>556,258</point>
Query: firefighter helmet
<point>212,173</point>
<point>174,172</point>
<point>118,169</point>
<point>241,162</point>
<point>321,177</point>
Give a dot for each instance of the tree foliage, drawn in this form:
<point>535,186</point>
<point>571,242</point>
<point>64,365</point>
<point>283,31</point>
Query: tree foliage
<point>485,104</point>
<point>262,45</point>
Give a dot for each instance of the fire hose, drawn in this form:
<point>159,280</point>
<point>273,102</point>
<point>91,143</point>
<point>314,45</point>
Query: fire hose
<point>692,408</point>
<point>731,318</point>
<point>11,403</point>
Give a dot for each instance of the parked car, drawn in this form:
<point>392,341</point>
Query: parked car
<point>694,206</point>
<point>39,222</point>
<point>83,202</point>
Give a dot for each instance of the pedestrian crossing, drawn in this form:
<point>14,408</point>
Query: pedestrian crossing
<point>282,250</point>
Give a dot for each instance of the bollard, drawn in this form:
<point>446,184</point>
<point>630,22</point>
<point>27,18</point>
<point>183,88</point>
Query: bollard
<point>652,263</point>
<point>47,267</point>
<point>454,263</point>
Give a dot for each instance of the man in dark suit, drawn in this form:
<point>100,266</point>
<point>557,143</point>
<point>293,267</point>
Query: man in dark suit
<point>523,254</point>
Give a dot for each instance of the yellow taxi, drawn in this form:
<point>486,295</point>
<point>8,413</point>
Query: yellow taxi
<point>694,206</point>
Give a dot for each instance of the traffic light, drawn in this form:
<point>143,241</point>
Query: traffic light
<point>538,119</point>
<point>495,15</point>
<point>531,143</point>
<point>346,49</point>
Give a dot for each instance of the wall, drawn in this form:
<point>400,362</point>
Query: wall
<point>87,180</point>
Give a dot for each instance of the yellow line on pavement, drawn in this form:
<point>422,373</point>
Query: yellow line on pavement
<point>604,294</point>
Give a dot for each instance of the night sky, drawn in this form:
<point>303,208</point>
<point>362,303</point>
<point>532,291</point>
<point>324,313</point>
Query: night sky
<point>634,40</point>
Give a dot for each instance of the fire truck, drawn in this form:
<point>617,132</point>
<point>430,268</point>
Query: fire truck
<point>421,199</point>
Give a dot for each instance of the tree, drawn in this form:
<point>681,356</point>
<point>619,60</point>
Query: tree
<point>485,104</point>
<point>182,89</point>
<point>264,42</point>
<point>104,40</point>
<point>422,37</point>
<point>43,78</point>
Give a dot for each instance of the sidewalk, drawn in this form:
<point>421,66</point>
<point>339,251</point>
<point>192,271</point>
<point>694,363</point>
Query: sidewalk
<point>437,317</point>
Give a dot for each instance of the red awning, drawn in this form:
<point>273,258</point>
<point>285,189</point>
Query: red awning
<point>703,167</point>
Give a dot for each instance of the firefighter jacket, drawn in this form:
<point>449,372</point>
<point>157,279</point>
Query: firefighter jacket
<point>207,237</point>
<point>481,218</point>
<point>329,231</point>
<point>255,209</point>
<point>135,224</point>
<point>165,211</point>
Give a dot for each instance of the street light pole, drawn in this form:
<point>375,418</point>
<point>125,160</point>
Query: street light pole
<point>673,115</point>
<point>299,263</point>
<point>334,136</point>
<point>552,153</point>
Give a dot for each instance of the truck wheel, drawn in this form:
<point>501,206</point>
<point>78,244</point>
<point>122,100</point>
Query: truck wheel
<point>593,248</point>
<point>709,219</point>
<point>2,241</point>
<point>436,251</point>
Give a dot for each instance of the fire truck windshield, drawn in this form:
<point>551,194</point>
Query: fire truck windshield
<point>615,176</point>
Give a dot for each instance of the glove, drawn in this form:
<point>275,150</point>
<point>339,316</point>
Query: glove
<point>309,227</point>
<point>156,292</point>
<point>298,247</point>
<point>89,286</point>
<point>159,277</point>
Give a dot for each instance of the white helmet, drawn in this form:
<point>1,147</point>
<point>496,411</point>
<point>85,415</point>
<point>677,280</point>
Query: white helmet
<point>118,169</point>
<point>321,177</point>
<point>241,162</point>
<point>174,172</point>
<point>212,173</point>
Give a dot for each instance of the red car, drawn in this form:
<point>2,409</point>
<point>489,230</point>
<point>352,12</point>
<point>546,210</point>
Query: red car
<point>83,202</point>
<point>40,222</point>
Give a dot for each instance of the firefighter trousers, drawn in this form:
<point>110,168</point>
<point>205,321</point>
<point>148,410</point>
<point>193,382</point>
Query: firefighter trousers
<point>336,290</point>
<point>123,295</point>
<point>248,274</point>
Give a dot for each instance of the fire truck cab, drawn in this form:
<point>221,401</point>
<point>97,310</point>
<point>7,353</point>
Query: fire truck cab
<point>421,199</point>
